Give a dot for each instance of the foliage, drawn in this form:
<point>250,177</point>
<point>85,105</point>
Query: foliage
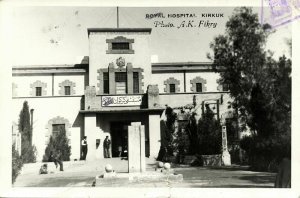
<point>260,85</point>
<point>60,142</point>
<point>209,133</point>
<point>17,164</point>
<point>24,122</point>
<point>28,151</point>
<point>266,154</point>
<point>191,128</point>
<point>180,141</point>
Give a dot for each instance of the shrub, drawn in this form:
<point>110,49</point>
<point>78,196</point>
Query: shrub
<point>17,164</point>
<point>210,136</point>
<point>60,142</point>
<point>265,154</point>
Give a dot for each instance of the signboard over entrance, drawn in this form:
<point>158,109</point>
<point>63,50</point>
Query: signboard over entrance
<point>121,100</point>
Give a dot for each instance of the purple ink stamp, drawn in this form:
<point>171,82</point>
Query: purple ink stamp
<point>280,12</point>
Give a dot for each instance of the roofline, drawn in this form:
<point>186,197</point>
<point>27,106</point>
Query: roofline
<point>185,66</point>
<point>65,66</point>
<point>49,69</point>
<point>182,64</point>
<point>119,30</point>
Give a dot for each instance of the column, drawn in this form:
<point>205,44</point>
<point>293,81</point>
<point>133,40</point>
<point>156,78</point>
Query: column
<point>111,76</point>
<point>154,134</point>
<point>225,154</point>
<point>90,130</point>
<point>129,78</point>
<point>136,148</point>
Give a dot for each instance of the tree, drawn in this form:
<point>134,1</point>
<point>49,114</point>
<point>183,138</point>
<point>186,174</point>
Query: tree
<point>209,133</point>
<point>260,85</point>
<point>28,151</point>
<point>17,163</point>
<point>59,142</point>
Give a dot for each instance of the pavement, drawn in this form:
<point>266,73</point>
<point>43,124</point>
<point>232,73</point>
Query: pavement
<point>83,173</point>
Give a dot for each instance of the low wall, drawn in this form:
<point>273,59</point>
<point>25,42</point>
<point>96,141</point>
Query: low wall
<point>212,160</point>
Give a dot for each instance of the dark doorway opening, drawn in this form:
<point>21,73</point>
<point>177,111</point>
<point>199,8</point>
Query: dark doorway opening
<point>119,137</point>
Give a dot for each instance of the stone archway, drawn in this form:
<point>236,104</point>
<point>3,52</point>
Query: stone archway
<point>57,120</point>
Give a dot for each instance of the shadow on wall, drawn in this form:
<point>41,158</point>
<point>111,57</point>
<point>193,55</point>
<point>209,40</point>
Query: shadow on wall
<point>79,123</point>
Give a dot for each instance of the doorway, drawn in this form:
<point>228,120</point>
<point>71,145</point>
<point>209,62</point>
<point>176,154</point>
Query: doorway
<point>119,137</point>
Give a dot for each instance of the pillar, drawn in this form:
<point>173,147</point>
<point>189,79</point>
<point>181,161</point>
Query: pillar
<point>136,148</point>
<point>129,78</point>
<point>154,134</point>
<point>111,77</point>
<point>90,130</point>
<point>226,159</point>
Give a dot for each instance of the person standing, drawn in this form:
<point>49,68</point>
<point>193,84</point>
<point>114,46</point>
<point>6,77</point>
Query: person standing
<point>58,160</point>
<point>84,148</point>
<point>107,143</point>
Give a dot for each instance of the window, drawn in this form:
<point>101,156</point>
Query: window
<point>57,129</point>
<point>135,82</point>
<point>105,83</point>
<point>121,82</point>
<point>172,88</point>
<point>67,90</point>
<point>198,87</point>
<point>38,91</point>
<point>120,46</point>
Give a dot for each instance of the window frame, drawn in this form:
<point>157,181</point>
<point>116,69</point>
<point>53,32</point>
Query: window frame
<point>119,39</point>
<point>38,91</point>
<point>172,88</point>
<point>67,90</point>
<point>201,87</point>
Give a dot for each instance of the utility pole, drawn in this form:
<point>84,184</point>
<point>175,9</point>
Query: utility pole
<point>117,16</point>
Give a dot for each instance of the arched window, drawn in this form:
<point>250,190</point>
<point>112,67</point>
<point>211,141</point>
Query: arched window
<point>171,85</point>
<point>38,88</point>
<point>56,125</point>
<point>67,88</point>
<point>198,85</point>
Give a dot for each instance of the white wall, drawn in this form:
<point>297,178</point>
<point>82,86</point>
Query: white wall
<point>160,78</point>
<point>23,83</point>
<point>78,79</point>
<point>46,109</point>
<point>210,77</point>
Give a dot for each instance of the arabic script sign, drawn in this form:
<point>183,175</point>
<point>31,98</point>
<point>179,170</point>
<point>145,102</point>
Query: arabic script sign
<point>114,101</point>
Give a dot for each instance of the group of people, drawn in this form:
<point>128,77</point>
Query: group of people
<point>84,148</point>
<point>56,156</point>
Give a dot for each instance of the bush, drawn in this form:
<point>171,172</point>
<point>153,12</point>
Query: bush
<point>28,153</point>
<point>210,136</point>
<point>265,154</point>
<point>17,164</point>
<point>61,143</point>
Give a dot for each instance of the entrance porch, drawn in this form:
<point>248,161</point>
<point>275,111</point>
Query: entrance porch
<point>114,124</point>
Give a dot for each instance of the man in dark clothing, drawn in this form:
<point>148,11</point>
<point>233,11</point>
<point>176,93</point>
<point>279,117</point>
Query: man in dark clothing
<point>58,160</point>
<point>106,147</point>
<point>84,148</point>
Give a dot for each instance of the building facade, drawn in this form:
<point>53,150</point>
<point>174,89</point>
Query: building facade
<point>115,86</point>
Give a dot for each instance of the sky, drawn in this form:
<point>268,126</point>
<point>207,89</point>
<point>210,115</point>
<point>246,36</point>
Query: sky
<point>58,35</point>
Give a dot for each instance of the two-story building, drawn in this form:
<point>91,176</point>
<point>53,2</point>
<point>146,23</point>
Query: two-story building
<point>116,85</point>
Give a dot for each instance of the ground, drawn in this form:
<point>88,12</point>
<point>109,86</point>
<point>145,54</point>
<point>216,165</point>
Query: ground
<point>82,173</point>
